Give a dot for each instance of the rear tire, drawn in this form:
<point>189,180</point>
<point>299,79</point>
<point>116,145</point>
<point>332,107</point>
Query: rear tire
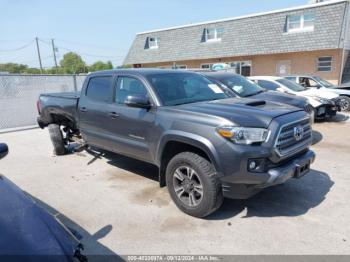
<point>193,184</point>
<point>57,139</point>
<point>346,103</point>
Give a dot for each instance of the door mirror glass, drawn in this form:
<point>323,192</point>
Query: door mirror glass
<point>140,101</point>
<point>3,150</point>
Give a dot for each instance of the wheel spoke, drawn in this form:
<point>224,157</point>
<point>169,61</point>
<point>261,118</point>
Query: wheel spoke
<point>191,173</point>
<point>188,172</point>
<point>179,191</point>
<point>178,174</point>
<point>199,189</point>
<point>192,199</point>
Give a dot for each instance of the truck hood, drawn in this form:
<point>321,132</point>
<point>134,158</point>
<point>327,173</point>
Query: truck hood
<point>339,91</point>
<point>344,86</point>
<point>241,111</point>
<point>318,93</point>
<point>278,97</point>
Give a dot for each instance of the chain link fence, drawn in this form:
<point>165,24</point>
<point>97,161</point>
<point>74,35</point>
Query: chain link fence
<point>19,94</point>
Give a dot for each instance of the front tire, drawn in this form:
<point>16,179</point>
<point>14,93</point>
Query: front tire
<point>193,184</point>
<point>57,139</point>
<point>346,103</point>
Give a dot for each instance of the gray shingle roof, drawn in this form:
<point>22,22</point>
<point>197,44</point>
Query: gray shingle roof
<point>252,35</point>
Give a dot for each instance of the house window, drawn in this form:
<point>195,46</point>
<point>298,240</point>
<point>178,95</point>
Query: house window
<point>213,34</point>
<point>206,66</point>
<point>173,67</point>
<point>152,42</point>
<point>239,67</point>
<point>324,64</point>
<point>304,22</point>
<point>180,67</point>
<point>243,68</point>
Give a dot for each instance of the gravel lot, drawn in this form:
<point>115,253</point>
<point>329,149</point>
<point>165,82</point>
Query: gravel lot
<point>116,205</point>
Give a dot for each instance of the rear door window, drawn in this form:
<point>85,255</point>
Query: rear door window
<point>100,88</point>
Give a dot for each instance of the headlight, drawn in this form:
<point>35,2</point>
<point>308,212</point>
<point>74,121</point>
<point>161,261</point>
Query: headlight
<point>324,101</point>
<point>243,135</point>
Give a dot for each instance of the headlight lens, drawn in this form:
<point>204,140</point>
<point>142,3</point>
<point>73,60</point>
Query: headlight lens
<point>324,101</point>
<point>243,135</point>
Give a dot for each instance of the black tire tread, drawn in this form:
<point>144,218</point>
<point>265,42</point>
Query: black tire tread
<point>57,139</point>
<point>208,170</point>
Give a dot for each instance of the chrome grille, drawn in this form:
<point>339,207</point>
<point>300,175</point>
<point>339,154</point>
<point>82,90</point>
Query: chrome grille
<point>289,140</point>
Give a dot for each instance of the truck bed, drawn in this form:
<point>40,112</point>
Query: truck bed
<point>61,105</point>
<point>72,95</point>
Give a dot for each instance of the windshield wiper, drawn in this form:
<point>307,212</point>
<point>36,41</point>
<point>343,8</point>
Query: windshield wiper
<point>253,94</point>
<point>197,101</point>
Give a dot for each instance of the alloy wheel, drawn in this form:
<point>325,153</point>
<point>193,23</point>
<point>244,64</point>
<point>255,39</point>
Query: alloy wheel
<point>188,186</point>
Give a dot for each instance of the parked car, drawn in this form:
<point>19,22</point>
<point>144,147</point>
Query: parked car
<point>240,86</point>
<point>325,104</point>
<point>321,84</point>
<point>28,232</point>
<point>206,144</point>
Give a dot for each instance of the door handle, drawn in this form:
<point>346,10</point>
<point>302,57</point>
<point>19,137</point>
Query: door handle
<point>113,115</point>
<point>83,109</point>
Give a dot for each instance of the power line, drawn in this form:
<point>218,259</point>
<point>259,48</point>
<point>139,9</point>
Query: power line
<point>35,60</point>
<point>80,53</point>
<point>87,54</point>
<point>85,44</point>
<point>18,48</point>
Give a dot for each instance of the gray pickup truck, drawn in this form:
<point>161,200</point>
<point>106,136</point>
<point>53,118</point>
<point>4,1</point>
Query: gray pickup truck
<point>206,144</point>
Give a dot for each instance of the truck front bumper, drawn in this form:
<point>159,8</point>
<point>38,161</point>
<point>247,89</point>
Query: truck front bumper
<point>295,168</point>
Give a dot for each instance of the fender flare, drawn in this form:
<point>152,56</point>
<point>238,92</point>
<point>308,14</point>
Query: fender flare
<point>190,139</point>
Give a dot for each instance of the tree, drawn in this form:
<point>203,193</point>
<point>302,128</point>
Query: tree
<point>13,68</point>
<point>125,66</point>
<point>34,71</point>
<point>99,65</point>
<point>72,63</point>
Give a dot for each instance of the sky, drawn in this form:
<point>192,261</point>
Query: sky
<point>104,29</point>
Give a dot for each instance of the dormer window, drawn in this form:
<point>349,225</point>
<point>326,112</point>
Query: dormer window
<point>152,43</point>
<point>213,34</point>
<point>303,22</point>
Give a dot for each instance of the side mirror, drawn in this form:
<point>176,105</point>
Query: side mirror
<point>280,89</point>
<point>3,150</point>
<point>139,101</point>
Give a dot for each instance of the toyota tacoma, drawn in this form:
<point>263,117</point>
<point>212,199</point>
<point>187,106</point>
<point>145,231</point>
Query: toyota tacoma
<point>206,144</point>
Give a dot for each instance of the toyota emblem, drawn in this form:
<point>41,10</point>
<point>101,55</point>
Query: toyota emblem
<point>298,133</point>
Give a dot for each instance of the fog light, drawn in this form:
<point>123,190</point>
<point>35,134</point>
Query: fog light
<point>256,165</point>
<point>252,165</point>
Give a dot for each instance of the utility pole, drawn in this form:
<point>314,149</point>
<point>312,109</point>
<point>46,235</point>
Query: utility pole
<point>37,47</point>
<point>54,53</point>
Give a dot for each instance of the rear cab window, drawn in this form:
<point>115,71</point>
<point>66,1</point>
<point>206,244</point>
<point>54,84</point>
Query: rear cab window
<point>100,88</point>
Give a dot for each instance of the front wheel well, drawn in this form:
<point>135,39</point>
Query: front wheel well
<point>171,149</point>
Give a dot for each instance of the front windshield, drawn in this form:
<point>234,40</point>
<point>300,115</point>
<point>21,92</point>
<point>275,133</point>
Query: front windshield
<point>324,82</point>
<point>241,86</point>
<point>291,85</point>
<point>184,88</point>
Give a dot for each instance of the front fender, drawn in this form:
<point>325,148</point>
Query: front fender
<point>190,139</point>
